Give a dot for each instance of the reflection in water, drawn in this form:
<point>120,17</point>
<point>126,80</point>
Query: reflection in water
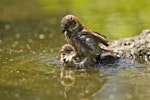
<point>30,40</point>
<point>39,77</point>
<point>81,83</point>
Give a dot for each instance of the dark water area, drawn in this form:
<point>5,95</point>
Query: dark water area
<point>30,40</point>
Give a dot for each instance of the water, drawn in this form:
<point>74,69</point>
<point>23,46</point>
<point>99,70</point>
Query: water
<point>30,39</point>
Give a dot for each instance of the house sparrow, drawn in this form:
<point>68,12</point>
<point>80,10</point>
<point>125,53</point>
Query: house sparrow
<point>68,55</point>
<point>85,41</point>
<point>69,58</point>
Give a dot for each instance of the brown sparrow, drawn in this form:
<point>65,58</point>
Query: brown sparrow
<point>68,55</point>
<point>69,58</point>
<point>85,41</point>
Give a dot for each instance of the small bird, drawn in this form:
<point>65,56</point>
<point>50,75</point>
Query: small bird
<point>85,41</point>
<point>69,58</point>
<point>68,55</point>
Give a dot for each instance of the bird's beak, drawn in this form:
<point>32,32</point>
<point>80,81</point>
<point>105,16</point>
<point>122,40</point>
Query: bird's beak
<point>61,50</point>
<point>63,30</point>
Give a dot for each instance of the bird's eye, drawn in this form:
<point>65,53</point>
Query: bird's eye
<point>69,51</point>
<point>63,53</point>
<point>71,18</point>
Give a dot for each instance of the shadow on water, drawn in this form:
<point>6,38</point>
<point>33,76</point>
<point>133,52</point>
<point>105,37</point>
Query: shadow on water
<point>30,39</point>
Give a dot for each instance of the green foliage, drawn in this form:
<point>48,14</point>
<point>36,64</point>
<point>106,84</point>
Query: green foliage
<point>114,18</point>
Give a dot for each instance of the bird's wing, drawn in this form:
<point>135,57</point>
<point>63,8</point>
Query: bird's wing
<point>98,36</point>
<point>87,43</point>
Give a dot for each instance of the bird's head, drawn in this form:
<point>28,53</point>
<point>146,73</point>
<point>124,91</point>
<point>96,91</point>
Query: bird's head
<point>70,23</point>
<point>67,53</point>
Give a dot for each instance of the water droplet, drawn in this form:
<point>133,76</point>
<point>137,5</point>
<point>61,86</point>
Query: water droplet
<point>1,41</point>
<point>11,60</point>
<point>1,50</point>
<point>7,27</point>
<point>30,40</point>
<point>111,96</point>
<point>21,50</point>
<point>28,46</point>
<point>41,36</point>
<point>17,36</point>
<point>17,72</point>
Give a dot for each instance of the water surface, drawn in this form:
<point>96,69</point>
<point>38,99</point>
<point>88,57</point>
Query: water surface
<point>30,39</point>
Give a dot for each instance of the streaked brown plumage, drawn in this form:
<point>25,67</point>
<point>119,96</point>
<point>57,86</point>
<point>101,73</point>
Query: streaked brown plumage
<point>85,41</point>
<point>69,58</point>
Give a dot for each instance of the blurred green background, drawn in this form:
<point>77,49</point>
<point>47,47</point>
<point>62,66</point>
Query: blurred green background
<point>30,40</point>
<point>33,26</point>
<point>115,18</point>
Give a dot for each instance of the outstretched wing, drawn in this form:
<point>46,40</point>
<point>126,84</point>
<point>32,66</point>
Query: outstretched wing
<point>100,37</point>
<point>97,36</point>
<point>86,44</point>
